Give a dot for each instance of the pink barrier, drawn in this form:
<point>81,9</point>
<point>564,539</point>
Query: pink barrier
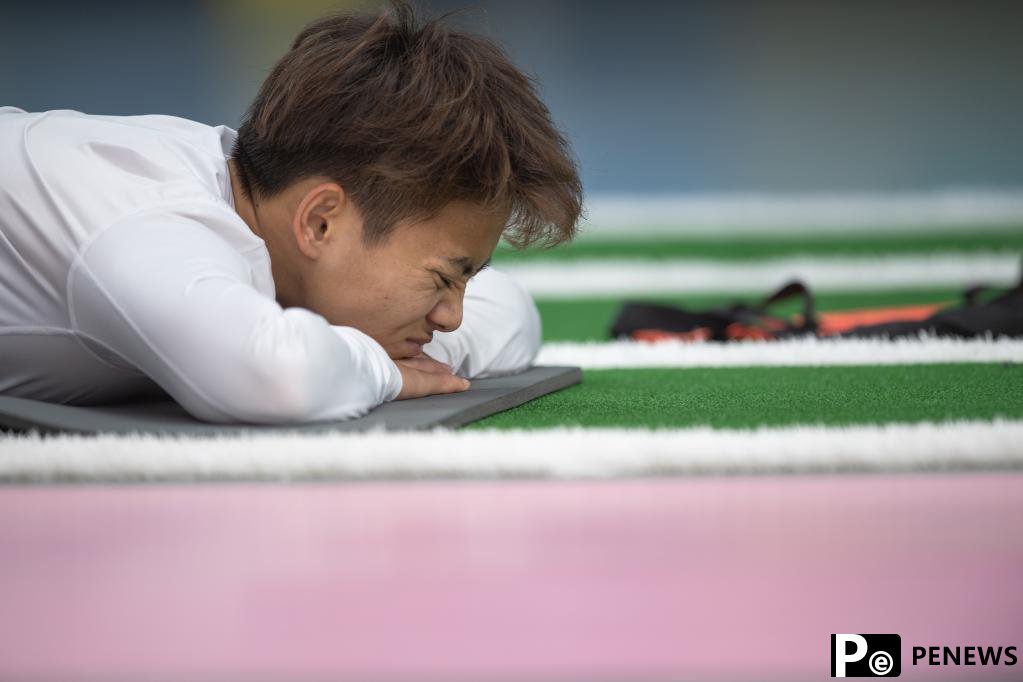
<point>702,578</point>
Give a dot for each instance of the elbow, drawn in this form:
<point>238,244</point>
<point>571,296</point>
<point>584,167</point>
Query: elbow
<point>530,329</point>
<point>520,332</point>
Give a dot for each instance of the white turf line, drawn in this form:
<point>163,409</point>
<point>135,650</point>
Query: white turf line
<point>625,277</point>
<point>564,453</point>
<point>630,215</point>
<point>800,352</point>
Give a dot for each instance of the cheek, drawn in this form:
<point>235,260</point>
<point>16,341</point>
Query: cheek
<point>422,303</point>
<point>393,293</point>
<point>410,306</point>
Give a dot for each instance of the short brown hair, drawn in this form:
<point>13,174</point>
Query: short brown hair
<point>408,118</point>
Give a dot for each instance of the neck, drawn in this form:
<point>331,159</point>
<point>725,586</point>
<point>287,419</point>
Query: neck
<point>243,205</point>
<point>248,210</point>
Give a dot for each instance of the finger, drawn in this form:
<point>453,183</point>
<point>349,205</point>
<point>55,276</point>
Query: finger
<point>457,384</point>
<point>421,366</point>
<point>444,383</point>
<point>421,353</point>
<point>417,383</point>
<point>434,360</point>
<point>426,364</point>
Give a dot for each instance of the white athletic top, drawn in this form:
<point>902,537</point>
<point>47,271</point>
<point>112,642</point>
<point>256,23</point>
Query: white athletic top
<point>125,272</point>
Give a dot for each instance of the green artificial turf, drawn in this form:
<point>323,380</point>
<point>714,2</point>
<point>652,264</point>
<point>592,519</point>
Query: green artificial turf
<point>751,397</point>
<point>748,247</point>
<point>589,319</point>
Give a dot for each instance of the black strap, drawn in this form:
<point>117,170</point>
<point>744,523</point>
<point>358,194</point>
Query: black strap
<point>1002,315</point>
<point>635,315</point>
<point>794,288</point>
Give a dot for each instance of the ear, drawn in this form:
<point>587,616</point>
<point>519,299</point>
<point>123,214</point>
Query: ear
<point>323,216</point>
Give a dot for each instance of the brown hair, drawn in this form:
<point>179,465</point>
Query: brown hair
<point>408,118</point>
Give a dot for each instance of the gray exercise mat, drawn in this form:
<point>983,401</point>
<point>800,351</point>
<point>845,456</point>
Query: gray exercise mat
<point>484,398</point>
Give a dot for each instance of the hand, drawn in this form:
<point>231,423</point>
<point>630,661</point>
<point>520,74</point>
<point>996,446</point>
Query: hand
<point>422,376</point>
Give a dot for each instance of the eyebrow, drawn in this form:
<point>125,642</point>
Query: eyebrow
<point>466,264</point>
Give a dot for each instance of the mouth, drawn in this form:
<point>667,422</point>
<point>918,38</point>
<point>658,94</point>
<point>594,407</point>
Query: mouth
<point>414,347</point>
<point>422,341</point>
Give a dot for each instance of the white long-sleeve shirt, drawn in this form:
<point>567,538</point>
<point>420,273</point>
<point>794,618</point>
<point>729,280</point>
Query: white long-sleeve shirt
<point>125,272</point>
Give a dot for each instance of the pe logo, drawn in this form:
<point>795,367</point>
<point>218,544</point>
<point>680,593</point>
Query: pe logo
<point>866,655</point>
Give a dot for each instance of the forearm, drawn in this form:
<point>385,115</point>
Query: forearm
<point>226,352</point>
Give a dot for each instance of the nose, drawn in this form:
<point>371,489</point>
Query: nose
<point>446,316</point>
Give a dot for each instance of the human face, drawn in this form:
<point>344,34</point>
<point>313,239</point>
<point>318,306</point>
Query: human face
<point>403,291</point>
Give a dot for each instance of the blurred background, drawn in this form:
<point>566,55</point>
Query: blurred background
<point>656,97</point>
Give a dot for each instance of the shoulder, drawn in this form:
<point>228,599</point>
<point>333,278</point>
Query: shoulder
<point>121,163</point>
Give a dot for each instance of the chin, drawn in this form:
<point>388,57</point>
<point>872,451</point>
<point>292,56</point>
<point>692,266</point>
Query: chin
<point>396,350</point>
<point>404,349</point>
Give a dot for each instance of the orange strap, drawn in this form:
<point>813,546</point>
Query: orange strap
<point>828,323</point>
<point>840,321</point>
<point>654,335</point>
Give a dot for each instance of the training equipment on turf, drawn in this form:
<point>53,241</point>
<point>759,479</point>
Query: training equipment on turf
<point>484,398</point>
<point>1001,315</point>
